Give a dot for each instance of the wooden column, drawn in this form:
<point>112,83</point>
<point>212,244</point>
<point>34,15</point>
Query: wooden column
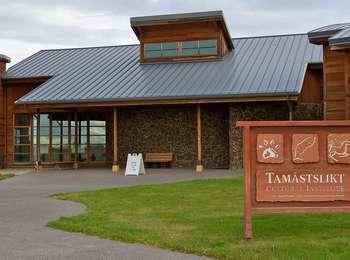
<point>199,166</point>
<point>115,167</point>
<point>75,165</point>
<point>248,226</point>
<point>38,162</point>
<point>69,138</point>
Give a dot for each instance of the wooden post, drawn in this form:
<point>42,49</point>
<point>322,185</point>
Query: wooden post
<point>50,139</point>
<point>247,174</point>
<point>88,148</point>
<point>69,138</point>
<point>115,167</point>
<point>199,166</point>
<point>38,163</point>
<point>75,165</point>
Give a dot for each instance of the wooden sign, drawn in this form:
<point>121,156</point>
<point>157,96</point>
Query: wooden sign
<point>295,166</point>
<point>134,165</point>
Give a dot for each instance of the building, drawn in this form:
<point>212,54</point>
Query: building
<point>179,91</point>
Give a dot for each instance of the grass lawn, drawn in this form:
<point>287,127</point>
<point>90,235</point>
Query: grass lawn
<point>4,176</point>
<point>205,218</point>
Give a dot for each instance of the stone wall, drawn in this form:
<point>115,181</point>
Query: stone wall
<point>263,111</point>
<point>173,129</point>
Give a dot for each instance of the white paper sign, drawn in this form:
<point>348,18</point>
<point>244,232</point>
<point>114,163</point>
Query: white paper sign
<point>134,165</point>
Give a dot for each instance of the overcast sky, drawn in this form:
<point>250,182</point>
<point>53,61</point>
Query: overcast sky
<point>27,26</point>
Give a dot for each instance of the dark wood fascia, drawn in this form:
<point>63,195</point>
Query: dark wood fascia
<point>94,105</point>
<point>11,81</point>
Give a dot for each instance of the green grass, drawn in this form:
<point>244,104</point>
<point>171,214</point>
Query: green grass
<point>4,176</point>
<point>205,218</point>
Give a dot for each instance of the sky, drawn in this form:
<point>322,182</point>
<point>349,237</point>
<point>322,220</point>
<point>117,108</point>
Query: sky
<point>27,26</point>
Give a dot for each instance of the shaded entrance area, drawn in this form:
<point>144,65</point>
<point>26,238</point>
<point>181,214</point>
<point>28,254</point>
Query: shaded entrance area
<point>196,135</point>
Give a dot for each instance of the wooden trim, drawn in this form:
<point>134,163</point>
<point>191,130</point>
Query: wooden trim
<point>38,136</point>
<point>31,130</point>
<point>301,209</point>
<point>346,75</point>
<point>50,139</point>
<point>88,146</point>
<point>69,138</point>
<point>9,81</point>
<point>247,184</point>
<point>76,139</point>
<point>161,102</point>
<point>324,83</point>
<point>293,123</point>
<point>199,166</point>
<point>199,134</point>
<point>115,136</point>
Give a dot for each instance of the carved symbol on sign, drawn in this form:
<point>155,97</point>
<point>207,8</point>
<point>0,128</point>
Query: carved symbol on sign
<point>305,148</point>
<point>339,148</point>
<point>270,148</point>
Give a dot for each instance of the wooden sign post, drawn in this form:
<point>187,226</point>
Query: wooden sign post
<point>295,167</point>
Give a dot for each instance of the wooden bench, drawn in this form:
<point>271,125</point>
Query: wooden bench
<point>161,158</point>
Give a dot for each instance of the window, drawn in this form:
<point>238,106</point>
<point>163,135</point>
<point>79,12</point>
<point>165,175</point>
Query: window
<point>59,141</point>
<point>97,140</point>
<point>21,138</point>
<point>44,137</point>
<point>181,49</point>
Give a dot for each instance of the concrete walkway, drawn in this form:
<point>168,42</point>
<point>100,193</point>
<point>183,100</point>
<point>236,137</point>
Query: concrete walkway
<point>25,209</point>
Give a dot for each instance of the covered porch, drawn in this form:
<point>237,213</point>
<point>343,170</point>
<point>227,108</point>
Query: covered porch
<point>103,136</point>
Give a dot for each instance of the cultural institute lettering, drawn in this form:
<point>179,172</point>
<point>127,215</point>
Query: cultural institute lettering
<point>301,185</point>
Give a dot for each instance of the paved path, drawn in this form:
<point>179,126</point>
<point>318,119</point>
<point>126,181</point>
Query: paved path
<point>25,209</point>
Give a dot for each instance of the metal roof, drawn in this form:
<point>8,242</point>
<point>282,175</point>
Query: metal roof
<point>342,37</point>
<point>5,58</point>
<point>135,21</point>
<point>328,31</point>
<point>258,66</point>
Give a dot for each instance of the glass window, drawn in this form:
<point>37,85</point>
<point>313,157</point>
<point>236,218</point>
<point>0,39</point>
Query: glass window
<point>169,49</point>
<point>185,48</point>
<point>21,120</point>
<point>153,46</point>
<point>21,138</point>
<point>208,47</point>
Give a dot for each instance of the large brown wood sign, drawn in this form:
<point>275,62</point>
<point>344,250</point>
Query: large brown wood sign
<point>295,166</point>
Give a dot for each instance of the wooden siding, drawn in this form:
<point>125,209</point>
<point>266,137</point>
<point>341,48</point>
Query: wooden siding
<point>312,91</point>
<point>13,92</point>
<point>2,109</point>
<point>336,87</point>
<point>184,32</point>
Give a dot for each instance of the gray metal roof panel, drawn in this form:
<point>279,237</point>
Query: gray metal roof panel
<point>258,66</point>
<point>5,58</point>
<point>174,17</point>
<point>328,31</point>
<point>342,37</point>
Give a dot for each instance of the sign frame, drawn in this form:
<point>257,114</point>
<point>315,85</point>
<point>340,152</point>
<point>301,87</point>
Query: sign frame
<point>251,164</point>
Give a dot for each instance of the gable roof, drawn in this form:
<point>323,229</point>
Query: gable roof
<point>258,66</point>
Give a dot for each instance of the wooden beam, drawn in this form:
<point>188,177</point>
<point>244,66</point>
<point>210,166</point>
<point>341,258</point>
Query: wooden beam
<point>116,103</point>
<point>69,137</point>
<point>115,167</point>
<point>75,165</point>
<point>248,226</point>
<point>199,166</point>
<point>38,163</point>
<point>50,139</point>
